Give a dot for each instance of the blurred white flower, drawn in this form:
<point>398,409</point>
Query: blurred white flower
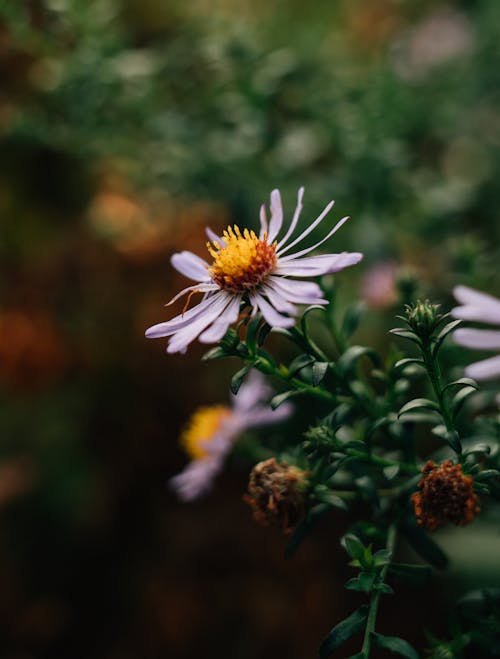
<point>212,430</point>
<point>484,308</point>
<point>378,285</point>
<point>254,269</point>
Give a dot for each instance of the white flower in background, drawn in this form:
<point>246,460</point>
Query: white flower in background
<point>254,269</point>
<point>212,430</point>
<point>483,308</point>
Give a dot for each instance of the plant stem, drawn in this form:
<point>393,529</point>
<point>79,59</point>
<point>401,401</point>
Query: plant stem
<point>434,373</point>
<point>374,602</point>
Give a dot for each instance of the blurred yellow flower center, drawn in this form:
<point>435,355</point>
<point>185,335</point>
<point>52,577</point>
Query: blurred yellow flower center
<point>201,429</point>
<point>242,261</point>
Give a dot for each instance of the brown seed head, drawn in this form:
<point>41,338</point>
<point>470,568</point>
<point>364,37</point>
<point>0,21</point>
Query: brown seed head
<point>275,494</point>
<point>445,494</point>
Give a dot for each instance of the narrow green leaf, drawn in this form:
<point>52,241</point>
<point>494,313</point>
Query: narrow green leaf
<point>406,334</point>
<point>342,632</point>
<point>391,472</point>
<point>438,340</point>
<point>382,557</point>
<point>353,546</point>
<point>424,545</point>
<point>277,400</point>
<point>459,399</point>
<point>252,331</point>
<point>351,319</point>
<point>409,361</point>
<point>465,381</point>
<point>303,320</point>
<point>299,363</point>
<point>419,403</point>
<point>214,353</point>
<point>264,331</point>
<point>394,644</point>
<point>347,361</point>
<point>319,370</point>
<point>238,378</point>
<point>298,536</point>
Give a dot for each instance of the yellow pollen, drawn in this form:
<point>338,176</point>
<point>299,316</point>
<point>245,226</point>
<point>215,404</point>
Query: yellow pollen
<point>201,429</point>
<point>243,261</point>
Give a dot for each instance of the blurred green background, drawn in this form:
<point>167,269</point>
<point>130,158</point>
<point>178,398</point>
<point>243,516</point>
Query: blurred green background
<point>127,126</point>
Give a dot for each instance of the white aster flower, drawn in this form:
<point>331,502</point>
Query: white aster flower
<point>254,269</point>
<point>212,430</point>
<point>484,308</point>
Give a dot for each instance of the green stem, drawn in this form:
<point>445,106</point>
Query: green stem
<point>434,373</point>
<point>375,599</point>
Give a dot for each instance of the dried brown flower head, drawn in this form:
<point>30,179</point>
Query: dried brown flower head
<point>275,494</point>
<point>445,494</point>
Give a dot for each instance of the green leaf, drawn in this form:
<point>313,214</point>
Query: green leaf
<point>438,340</point>
<point>406,334</point>
<point>414,574</point>
<point>344,631</point>
<point>409,361</point>
<point>351,319</point>
<point>298,536</point>
<point>382,557</point>
<point>300,362</point>
<point>319,370</point>
<point>252,331</point>
<point>363,583</point>
<point>347,361</point>
<point>459,399</point>
<point>423,544</point>
<point>417,404</point>
<point>277,400</point>
<point>465,381</point>
<point>303,320</point>
<point>391,472</point>
<point>385,589</point>
<point>322,493</point>
<point>238,378</point>
<point>353,546</point>
<point>214,353</point>
<point>394,644</point>
<point>264,331</point>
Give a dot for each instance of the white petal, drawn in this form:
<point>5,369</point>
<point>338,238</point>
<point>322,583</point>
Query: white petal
<point>219,326</point>
<point>295,219</point>
<point>477,338</point>
<point>196,478</point>
<point>253,390</point>
<point>466,295</point>
<point>480,313</point>
<point>182,320</point>
<point>485,369</point>
<point>214,238</point>
<point>314,266</point>
<point>279,302</point>
<point>310,228</point>
<point>310,249</point>
<point>300,292</point>
<point>261,415</point>
<point>195,288</point>
<point>276,215</point>
<point>263,222</point>
<point>190,265</point>
<point>183,337</point>
<point>270,314</point>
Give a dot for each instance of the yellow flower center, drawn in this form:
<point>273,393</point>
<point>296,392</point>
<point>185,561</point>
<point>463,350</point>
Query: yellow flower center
<point>242,262</point>
<point>201,429</point>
